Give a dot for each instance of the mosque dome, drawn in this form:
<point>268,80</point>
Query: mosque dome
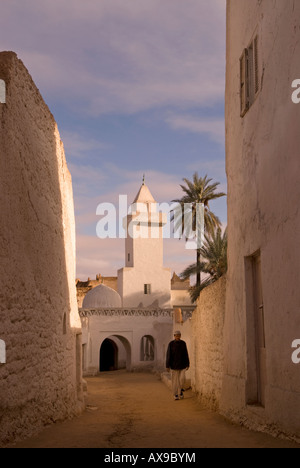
<point>100,297</point>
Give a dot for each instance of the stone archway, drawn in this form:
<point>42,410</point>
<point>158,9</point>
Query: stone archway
<point>115,353</point>
<point>108,360</point>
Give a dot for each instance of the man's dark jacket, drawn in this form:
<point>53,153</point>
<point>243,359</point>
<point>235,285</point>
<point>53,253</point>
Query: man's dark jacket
<point>177,356</point>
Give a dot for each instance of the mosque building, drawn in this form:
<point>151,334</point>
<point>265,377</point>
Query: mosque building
<point>127,321</point>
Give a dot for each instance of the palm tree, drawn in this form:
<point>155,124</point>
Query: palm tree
<point>199,191</point>
<point>213,264</point>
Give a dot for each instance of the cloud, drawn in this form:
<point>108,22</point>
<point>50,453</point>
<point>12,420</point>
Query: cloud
<point>86,179</point>
<point>106,256</point>
<point>215,169</point>
<point>163,186</point>
<point>214,128</point>
<point>176,256</point>
<point>121,56</point>
<point>78,146</point>
<point>96,256</point>
<point>95,57</point>
<point>105,185</point>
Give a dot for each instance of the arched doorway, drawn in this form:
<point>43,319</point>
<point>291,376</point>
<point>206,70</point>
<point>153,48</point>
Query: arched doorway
<point>108,356</point>
<point>115,353</point>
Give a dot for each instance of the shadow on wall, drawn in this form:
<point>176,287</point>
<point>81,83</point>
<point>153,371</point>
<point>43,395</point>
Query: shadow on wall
<point>38,312</point>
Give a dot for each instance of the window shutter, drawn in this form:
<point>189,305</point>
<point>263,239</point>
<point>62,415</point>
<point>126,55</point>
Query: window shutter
<point>244,90</point>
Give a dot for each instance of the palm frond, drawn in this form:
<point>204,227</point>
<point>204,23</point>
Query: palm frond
<point>200,190</point>
<point>214,262</point>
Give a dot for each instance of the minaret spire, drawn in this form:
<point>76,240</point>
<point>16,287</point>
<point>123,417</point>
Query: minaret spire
<point>144,195</point>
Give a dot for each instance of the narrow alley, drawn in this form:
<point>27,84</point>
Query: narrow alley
<point>136,410</point>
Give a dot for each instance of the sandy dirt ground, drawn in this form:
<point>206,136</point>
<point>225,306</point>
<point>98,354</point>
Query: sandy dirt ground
<point>127,410</point>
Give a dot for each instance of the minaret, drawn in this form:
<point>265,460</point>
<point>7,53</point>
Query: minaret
<point>144,281</point>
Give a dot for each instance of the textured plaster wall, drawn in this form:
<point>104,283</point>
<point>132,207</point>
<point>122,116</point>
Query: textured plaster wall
<point>263,212</point>
<point>39,322</point>
<point>207,344</point>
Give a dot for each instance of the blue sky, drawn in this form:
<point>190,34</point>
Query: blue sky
<point>136,86</point>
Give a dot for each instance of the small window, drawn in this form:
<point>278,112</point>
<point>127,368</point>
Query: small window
<point>249,76</point>
<point>243,83</point>
<point>256,336</point>
<point>147,289</point>
<point>129,257</point>
<point>255,62</point>
<point>147,348</point>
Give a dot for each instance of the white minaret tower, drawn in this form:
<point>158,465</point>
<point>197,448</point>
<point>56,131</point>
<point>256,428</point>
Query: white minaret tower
<point>144,282</point>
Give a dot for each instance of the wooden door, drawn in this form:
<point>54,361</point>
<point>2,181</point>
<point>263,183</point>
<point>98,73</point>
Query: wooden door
<point>260,332</point>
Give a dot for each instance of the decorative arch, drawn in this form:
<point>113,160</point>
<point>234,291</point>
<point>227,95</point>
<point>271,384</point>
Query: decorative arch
<point>108,358</point>
<point>147,348</point>
<point>114,348</point>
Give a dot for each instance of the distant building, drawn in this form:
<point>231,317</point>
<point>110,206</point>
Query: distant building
<point>144,282</point>
<point>127,321</point>
<point>261,384</point>
<point>83,287</point>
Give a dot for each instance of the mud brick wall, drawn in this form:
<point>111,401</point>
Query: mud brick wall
<point>40,382</point>
<point>207,325</point>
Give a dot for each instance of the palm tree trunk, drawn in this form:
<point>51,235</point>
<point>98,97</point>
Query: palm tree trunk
<point>198,269</point>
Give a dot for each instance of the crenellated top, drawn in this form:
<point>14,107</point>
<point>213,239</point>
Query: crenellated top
<point>126,312</point>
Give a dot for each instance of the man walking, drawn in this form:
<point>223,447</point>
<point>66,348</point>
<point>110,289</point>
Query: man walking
<point>178,362</point>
